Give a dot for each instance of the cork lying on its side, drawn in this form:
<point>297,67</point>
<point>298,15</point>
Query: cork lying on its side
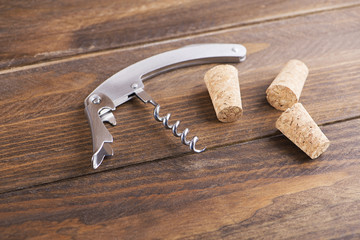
<point>297,125</point>
<point>286,88</point>
<point>223,85</point>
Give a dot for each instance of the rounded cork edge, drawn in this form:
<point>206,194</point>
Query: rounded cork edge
<point>323,147</point>
<point>219,69</point>
<point>281,97</point>
<point>230,114</point>
<point>300,64</point>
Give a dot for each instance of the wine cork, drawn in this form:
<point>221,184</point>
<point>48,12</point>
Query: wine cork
<point>223,85</point>
<point>286,88</point>
<point>297,125</point>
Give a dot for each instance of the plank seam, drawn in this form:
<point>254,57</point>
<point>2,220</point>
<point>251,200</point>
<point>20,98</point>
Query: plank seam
<point>80,56</point>
<point>277,134</point>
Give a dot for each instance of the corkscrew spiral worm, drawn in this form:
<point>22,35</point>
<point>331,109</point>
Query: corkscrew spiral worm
<point>174,128</point>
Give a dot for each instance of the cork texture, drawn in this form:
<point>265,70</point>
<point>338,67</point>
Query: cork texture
<point>297,125</point>
<point>286,88</point>
<point>223,85</point>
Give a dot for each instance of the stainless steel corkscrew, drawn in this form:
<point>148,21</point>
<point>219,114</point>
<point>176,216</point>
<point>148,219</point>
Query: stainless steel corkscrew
<point>128,83</point>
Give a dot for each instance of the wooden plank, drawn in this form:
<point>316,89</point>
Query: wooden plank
<point>231,192</point>
<point>33,31</point>
<point>43,127</point>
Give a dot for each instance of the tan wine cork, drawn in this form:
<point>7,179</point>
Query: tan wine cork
<point>297,125</point>
<point>286,88</point>
<point>223,85</point>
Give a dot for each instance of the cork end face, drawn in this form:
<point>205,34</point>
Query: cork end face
<point>229,114</point>
<point>281,97</point>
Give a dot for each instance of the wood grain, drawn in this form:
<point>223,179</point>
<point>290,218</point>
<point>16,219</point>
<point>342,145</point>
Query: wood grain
<point>231,192</point>
<point>43,128</point>
<point>33,31</point>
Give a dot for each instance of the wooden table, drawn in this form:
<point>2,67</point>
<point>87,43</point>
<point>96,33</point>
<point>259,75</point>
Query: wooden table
<point>251,183</point>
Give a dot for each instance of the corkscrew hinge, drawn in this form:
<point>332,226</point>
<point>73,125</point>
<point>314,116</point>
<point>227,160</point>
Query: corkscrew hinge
<point>128,83</point>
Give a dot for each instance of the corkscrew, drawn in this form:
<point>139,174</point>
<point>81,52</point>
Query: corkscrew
<point>128,83</point>
<point>174,127</point>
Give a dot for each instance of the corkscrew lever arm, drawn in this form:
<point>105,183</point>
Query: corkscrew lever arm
<point>128,83</point>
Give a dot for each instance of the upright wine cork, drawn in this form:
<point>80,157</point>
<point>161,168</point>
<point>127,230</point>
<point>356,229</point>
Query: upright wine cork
<point>223,85</point>
<point>297,125</point>
<point>286,88</point>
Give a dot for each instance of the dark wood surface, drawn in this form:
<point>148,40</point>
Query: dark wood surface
<point>251,183</point>
<point>33,31</point>
<point>230,192</point>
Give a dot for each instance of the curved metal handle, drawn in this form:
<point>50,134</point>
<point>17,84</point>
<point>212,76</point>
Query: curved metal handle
<point>121,86</point>
<point>125,84</point>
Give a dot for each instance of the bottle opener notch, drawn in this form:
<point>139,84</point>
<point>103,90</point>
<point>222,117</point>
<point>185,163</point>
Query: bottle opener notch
<point>128,83</point>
